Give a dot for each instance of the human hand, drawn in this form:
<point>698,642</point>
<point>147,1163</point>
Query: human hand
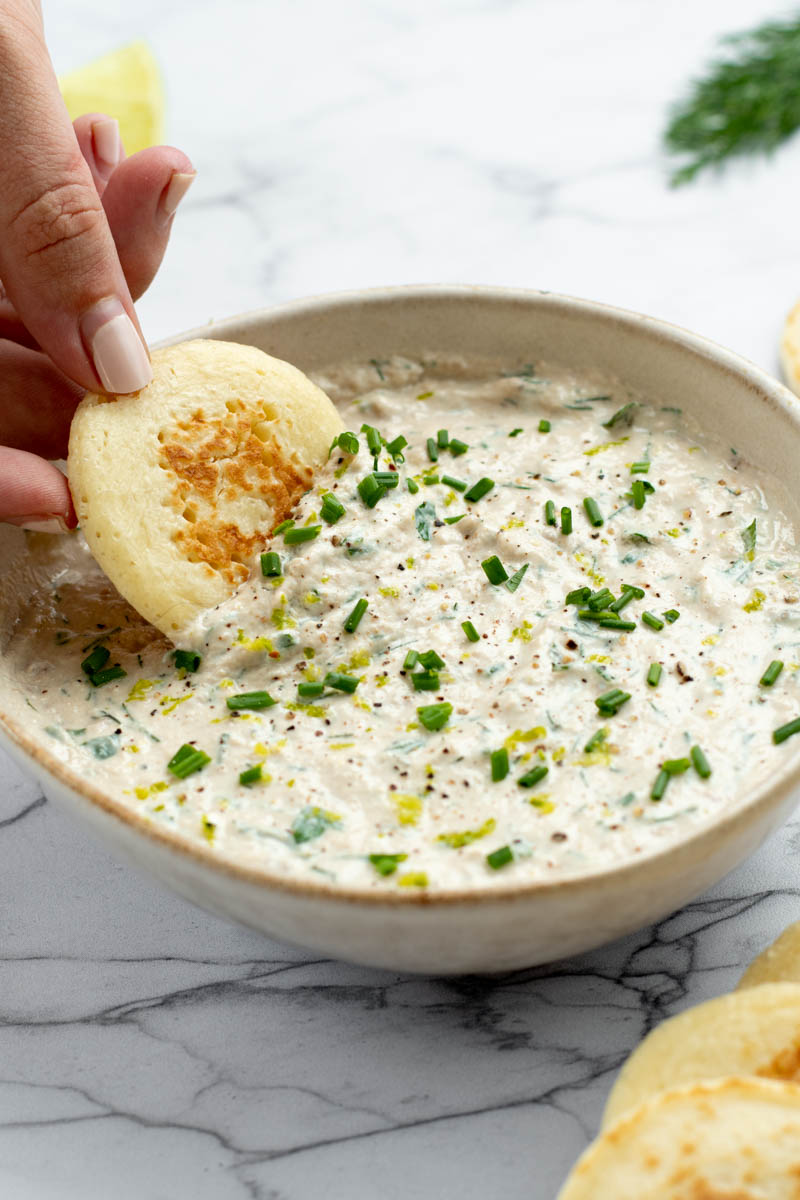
<point>82,233</point>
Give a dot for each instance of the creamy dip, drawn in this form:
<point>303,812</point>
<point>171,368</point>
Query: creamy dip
<point>511,772</point>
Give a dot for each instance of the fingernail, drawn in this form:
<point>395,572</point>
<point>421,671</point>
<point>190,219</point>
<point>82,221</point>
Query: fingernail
<point>119,354</point>
<point>107,145</point>
<point>41,523</point>
<point>176,189</point>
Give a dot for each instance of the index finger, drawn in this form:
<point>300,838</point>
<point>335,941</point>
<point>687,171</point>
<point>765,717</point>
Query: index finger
<point>57,256</point>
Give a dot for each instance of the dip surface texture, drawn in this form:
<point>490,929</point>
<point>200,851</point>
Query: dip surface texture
<point>512,772</point>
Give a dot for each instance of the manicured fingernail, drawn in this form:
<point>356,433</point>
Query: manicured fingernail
<point>119,354</point>
<point>176,189</point>
<point>41,523</point>
<point>107,145</point>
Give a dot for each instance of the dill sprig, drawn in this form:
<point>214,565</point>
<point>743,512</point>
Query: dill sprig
<point>748,103</point>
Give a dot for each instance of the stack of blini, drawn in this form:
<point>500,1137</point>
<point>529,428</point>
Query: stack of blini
<point>708,1106</point>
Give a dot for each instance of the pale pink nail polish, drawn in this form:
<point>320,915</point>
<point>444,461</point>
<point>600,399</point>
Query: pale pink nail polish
<point>41,523</point>
<point>107,145</point>
<point>119,354</point>
<point>175,190</point>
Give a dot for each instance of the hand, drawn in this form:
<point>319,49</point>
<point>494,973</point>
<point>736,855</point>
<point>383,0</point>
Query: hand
<point>82,234</point>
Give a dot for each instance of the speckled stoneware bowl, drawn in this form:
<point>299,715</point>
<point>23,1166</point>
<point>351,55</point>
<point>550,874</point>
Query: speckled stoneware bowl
<point>478,930</point>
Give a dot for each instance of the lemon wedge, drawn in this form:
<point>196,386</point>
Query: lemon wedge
<point>125,84</point>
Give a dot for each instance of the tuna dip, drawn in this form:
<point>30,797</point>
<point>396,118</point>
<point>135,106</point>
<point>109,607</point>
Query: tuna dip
<point>524,627</point>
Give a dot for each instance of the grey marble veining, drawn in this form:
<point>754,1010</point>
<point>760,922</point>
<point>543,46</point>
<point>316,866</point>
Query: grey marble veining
<point>151,1052</point>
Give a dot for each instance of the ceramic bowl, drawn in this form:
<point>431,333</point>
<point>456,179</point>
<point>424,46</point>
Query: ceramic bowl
<point>477,930</point>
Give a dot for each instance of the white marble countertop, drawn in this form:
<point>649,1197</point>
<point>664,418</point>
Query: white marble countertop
<point>150,1051</point>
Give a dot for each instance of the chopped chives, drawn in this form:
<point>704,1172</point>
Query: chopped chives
<point>671,615</point>
<point>566,520</point>
<point>499,761</point>
<point>494,570</point>
<point>411,659</point>
<point>387,479</point>
<point>611,702</point>
<point>332,509</point>
<point>772,672</point>
<point>470,631</point>
<point>640,468</point>
<point>184,751</point>
<point>786,731</point>
<point>578,596</point>
<point>593,511</point>
<point>457,447</point>
<point>412,486</point>
<point>342,683</point>
<point>396,446</point>
<point>550,513</point>
<point>442,439</point>
<point>652,620</point>
<point>516,432</point>
<point>309,691</point>
<point>270,564</point>
<point>97,659</point>
<point>600,599</point>
<point>544,426</point>
<point>638,493</point>
<point>306,533</point>
<point>189,660</point>
<point>700,762</point>
<point>676,766</point>
<point>623,416</point>
<point>596,740</point>
<point>352,622</point>
<point>425,681</point>
<point>435,716</point>
<point>347,442</point>
<point>654,674</point>
<point>457,484</point>
<point>187,760</point>
<point>660,785</point>
<point>251,775</point>
<point>500,857</point>
<point>373,439</point>
<point>430,660</point>
<point>534,776</point>
<point>386,864</point>
<point>454,520</point>
<point>250,700</point>
<point>590,614</point>
<point>479,489</point>
<point>616,622</point>
<point>433,449</point>
<point>98,678</point>
<point>637,591</point>
<point>628,594</point>
<point>284,525</point>
<point>370,490</point>
<point>429,480</point>
<point>517,578</point>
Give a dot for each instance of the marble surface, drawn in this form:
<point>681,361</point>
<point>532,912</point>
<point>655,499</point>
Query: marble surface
<point>150,1051</point>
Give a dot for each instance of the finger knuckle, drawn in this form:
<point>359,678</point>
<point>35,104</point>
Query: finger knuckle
<point>58,223</point>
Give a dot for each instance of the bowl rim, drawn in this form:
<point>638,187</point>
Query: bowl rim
<point>768,795</point>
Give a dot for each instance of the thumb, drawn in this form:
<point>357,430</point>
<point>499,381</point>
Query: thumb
<point>58,261</point>
<point>34,493</point>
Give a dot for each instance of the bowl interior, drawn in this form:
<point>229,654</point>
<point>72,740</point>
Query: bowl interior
<point>761,420</point>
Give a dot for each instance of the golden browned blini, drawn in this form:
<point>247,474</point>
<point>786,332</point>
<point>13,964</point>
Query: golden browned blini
<point>755,1032</point>
<point>725,1139</point>
<point>779,962</point>
<point>179,486</point>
